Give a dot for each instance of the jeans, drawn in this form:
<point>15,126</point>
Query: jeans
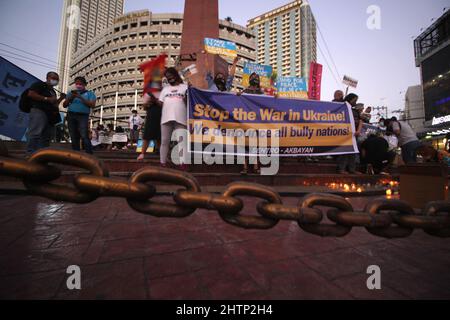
<point>79,130</point>
<point>409,151</point>
<point>134,135</point>
<point>39,131</point>
<point>166,135</point>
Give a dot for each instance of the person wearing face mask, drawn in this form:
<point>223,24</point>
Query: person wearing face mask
<point>254,88</point>
<point>44,112</point>
<point>172,99</point>
<point>219,83</point>
<point>79,103</point>
<point>255,85</point>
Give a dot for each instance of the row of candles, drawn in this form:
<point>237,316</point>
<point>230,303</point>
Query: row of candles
<point>392,187</point>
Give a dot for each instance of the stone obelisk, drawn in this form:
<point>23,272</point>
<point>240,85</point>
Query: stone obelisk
<point>201,20</point>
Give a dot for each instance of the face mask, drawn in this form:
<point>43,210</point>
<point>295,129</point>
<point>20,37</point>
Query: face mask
<point>220,82</point>
<point>54,83</point>
<point>254,82</point>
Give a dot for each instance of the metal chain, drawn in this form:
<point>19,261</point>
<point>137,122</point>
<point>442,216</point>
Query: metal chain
<point>381,217</point>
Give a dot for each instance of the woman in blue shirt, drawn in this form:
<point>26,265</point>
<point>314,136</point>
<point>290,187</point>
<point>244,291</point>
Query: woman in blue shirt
<point>80,102</point>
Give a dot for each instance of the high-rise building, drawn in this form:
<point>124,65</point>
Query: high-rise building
<point>81,21</point>
<point>286,38</point>
<point>414,110</point>
<point>432,50</point>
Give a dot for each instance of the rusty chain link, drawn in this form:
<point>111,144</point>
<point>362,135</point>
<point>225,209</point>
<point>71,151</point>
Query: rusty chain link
<point>381,217</point>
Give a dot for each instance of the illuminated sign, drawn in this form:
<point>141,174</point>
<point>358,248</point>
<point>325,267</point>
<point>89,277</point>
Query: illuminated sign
<point>441,120</point>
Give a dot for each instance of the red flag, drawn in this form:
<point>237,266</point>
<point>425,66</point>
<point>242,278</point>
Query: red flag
<point>153,73</point>
<point>315,81</point>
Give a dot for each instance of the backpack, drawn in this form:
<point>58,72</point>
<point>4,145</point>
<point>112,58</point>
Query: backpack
<point>25,102</point>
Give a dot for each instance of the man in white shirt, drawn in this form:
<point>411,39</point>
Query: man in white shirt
<point>136,122</point>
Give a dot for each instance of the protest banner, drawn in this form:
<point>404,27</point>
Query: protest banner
<point>264,72</point>
<point>105,138</point>
<point>292,87</point>
<point>150,149</point>
<point>350,82</point>
<point>221,47</point>
<point>120,138</point>
<point>229,124</point>
<point>13,82</point>
<point>315,81</point>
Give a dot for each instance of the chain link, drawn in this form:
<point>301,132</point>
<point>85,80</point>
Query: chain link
<point>381,217</point>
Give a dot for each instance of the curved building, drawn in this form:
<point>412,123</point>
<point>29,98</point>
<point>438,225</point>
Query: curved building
<point>110,62</point>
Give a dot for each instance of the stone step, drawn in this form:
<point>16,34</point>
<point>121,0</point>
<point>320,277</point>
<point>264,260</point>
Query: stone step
<point>17,188</point>
<point>223,179</point>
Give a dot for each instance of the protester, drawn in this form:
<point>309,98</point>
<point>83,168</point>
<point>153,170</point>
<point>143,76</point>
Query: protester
<point>79,103</point>
<point>253,88</point>
<point>152,127</point>
<point>338,96</point>
<point>44,112</point>
<point>375,154</point>
<point>348,161</point>
<point>218,83</point>
<point>366,116</point>
<point>136,123</point>
<point>407,140</point>
<point>173,100</point>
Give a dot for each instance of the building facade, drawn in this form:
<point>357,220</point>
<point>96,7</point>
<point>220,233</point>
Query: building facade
<point>286,39</point>
<point>414,109</point>
<point>110,61</point>
<point>81,21</point>
<point>432,50</point>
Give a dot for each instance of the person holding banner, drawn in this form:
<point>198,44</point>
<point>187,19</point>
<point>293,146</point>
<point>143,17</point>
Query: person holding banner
<point>153,84</point>
<point>255,85</point>
<point>338,96</point>
<point>218,83</point>
<point>254,88</point>
<point>44,112</point>
<point>348,161</point>
<point>173,100</point>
